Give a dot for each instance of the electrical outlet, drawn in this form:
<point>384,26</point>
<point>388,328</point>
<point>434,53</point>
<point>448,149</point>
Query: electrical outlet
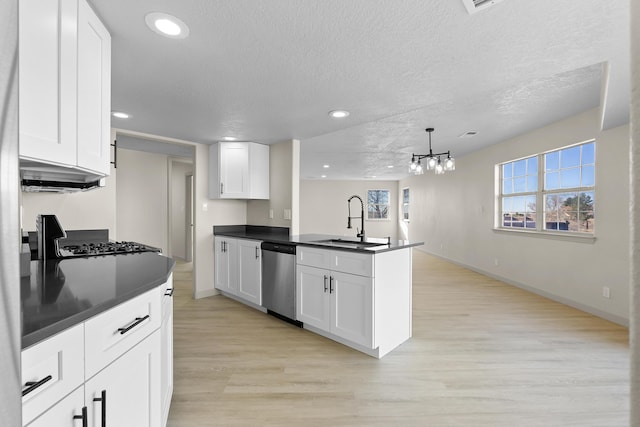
<point>270,213</point>
<point>495,262</point>
<point>606,292</point>
<point>205,207</point>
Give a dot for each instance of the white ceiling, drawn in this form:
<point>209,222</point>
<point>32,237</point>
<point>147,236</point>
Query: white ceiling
<point>270,70</point>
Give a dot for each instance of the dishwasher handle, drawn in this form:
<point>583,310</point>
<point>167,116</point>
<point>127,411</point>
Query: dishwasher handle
<point>279,247</point>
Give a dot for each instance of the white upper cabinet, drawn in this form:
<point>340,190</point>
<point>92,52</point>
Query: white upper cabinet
<point>94,92</point>
<point>64,85</point>
<point>238,170</point>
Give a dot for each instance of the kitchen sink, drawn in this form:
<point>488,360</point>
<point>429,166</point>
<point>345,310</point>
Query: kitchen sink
<point>349,243</point>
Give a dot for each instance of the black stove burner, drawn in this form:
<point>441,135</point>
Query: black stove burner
<point>104,248</point>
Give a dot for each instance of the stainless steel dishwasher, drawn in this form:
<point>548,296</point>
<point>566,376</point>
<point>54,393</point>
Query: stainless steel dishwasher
<point>279,281</point>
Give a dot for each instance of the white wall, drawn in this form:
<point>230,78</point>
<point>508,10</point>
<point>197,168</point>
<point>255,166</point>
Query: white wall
<point>280,189</point>
<point>323,208</point>
<point>178,208</point>
<point>454,215</point>
<point>141,213</point>
<point>94,209</point>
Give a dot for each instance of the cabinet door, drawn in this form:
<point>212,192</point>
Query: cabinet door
<point>63,413</point>
<point>221,264</point>
<point>166,332</point>
<point>352,308</point>
<point>234,170</point>
<point>47,83</point>
<point>130,387</point>
<point>259,171</point>
<point>250,271</point>
<point>94,91</point>
<point>312,297</point>
<point>226,265</point>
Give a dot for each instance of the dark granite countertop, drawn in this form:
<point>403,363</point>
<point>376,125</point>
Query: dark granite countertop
<point>281,235</point>
<point>62,293</point>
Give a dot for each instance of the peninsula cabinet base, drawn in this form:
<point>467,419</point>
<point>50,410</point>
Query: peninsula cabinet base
<point>378,352</point>
<point>357,299</point>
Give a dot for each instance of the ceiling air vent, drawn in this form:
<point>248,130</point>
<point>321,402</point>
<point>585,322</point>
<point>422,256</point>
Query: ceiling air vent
<point>468,134</point>
<point>476,5</point>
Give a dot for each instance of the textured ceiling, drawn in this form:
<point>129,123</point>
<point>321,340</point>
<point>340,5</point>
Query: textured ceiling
<point>270,70</point>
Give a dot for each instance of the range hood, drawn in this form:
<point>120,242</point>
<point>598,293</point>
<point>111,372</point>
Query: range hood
<point>44,178</point>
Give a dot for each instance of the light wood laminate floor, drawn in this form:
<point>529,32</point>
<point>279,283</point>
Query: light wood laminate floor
<point>483,353</point>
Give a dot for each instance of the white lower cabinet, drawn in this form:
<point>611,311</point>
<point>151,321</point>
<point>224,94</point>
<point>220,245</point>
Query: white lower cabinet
<point>67,413</point>
<point>51,370</point>
<point>250,271</point>
<point>226,265</point>
<point>335,302</point>
<point>127,392</point>
<point>117,365</point>
<point>166,361</point>
<point>358,299</point>
<point>238,268</point>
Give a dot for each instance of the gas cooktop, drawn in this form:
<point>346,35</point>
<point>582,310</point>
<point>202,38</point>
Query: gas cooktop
<point>103,248</point>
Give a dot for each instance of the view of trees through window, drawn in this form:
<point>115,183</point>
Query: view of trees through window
<point>378,204</point>
<point>405,204</point>
<point>567,180</point>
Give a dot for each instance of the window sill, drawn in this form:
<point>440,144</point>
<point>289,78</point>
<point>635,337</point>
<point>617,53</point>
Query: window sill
<point>572,237</point>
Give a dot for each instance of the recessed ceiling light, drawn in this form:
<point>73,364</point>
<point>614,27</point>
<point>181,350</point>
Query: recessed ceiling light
<point>326,166</point>
<point>390,166</point>
<point>323,176</point>
<point>167,25</point>
<point>338,114</point>
<point>120,114</point>
<point>230,138</point>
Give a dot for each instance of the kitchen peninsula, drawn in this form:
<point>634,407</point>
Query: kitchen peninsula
<point>353,291</point>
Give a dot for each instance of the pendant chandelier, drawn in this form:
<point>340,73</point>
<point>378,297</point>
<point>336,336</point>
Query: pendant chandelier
<point>433,161</point>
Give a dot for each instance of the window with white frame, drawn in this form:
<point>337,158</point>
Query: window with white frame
<point>561,182</point>
<point>405,204</point>
<point>377,204</point>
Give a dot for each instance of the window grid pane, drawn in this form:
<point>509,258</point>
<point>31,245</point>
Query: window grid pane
<point>568,183</point>
<point>378,204</point>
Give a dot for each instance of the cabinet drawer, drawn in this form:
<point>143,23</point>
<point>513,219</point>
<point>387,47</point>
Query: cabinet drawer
<point>58,365</point>
<point>313,257</point>
<point>343,261</point>
<point>352,263</point>
<point>112,333</point>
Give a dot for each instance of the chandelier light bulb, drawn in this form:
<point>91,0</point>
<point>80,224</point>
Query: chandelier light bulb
<point>431,163</point>
<point>439,168</point>
<point>450,164</point>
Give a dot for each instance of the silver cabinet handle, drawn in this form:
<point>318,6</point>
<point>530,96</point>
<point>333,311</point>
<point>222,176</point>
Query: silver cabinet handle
<point>331,288</point>
<point>221,188</point>
<point>325,283</point>
<point>257,252</point>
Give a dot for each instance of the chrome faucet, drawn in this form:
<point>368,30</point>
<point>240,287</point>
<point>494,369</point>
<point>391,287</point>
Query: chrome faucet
<point>360,234</point>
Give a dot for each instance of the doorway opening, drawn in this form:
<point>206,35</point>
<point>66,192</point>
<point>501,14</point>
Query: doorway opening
<point>154,195</point>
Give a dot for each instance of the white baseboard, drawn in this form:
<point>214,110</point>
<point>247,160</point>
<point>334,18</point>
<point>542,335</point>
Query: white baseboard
<point>205,293</point>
